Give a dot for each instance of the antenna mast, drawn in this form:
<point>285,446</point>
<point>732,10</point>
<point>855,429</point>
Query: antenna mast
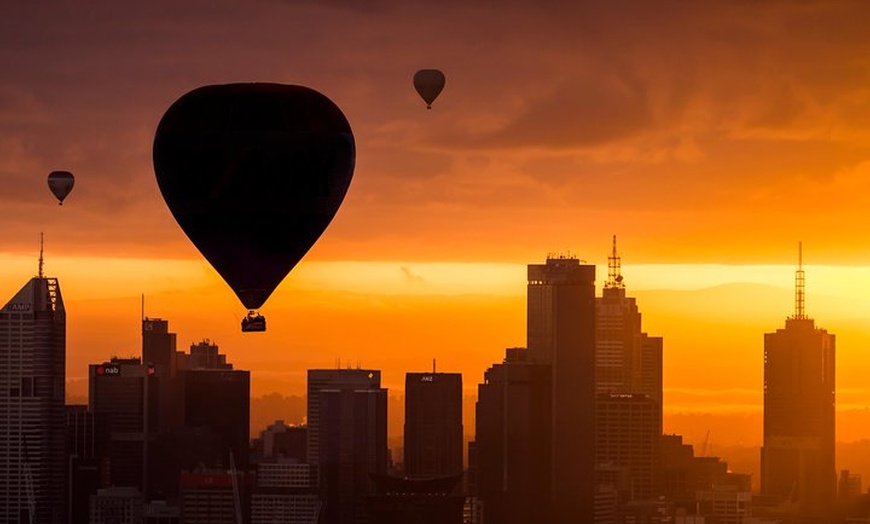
<point>614,269</point>
<point>40,255</point>
<point>799,286</point>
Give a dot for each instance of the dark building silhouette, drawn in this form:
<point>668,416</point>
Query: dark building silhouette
<point>280,441</point>
<point>347,439</point>
<point>124,392</point>
<point>86,441</point>
<point>561,334</point>
<point>511,454</point>
<point>628,430</point>
<point>797,455</point>
<point>208,497</point>
<point>430,500</point>
<point>628,380</point>
<point>158,345</point>
<point>627,360</point>
<point>218,401</point>
<point>433,424</point>
<point>159,352</point>
<point>32,415</point>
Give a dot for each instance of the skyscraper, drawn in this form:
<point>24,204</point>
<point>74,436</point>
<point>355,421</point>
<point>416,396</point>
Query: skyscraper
<point>32,414</point>
<point>561,333</point>
<point>627,360</point>
<point>124,392</point>
<point>628,430</point>
<point>628,380</point>
<point>797,455</point>
<point>347,438</point>
<point>512,450</point>
<point>433,424</point>
<point>217,401</point>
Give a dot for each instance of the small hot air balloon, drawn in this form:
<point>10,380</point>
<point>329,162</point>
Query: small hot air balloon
<point>61,183</point>
<point>429,83</point>
<point>253,174</point>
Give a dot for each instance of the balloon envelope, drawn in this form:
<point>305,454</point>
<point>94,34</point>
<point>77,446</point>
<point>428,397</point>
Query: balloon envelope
<point>429,83</point>
<point>253,173</point>
<point>61,183</point>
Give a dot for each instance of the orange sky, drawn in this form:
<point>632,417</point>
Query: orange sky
<point>710,136</point>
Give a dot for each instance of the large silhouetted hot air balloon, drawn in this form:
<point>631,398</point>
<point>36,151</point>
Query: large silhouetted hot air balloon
<point>61,183</point>
<point>429,83</point>
<point>253,173</point>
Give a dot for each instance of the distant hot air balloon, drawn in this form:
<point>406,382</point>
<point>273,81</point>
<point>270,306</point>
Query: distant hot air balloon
<point>429,83</point>
<point>253,174</point>
<point>61,183</point>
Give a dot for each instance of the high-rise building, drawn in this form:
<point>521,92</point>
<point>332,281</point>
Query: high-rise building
<point>511,454</point>
<point>627,360</point>
<point>159,352</point>
<point>628,430</point>
<point>158,345</point>
<point>628,380</point>
<point>124,392</point>
<point>86,441</point>
<point>561,333</point>
<point>218,402</point>
<point>283,493</point>
<point>797,455</point>
<point>32,359</point>
<point>318,379</point>
<point>433,424</point>
<point>347,437</point>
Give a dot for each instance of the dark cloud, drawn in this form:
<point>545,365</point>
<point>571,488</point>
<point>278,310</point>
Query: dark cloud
<point>605,104</point>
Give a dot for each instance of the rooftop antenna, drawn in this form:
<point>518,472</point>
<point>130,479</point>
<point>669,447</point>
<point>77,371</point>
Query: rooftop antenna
<point>40,255</point>
<point>433,366</point>
<point>143,307</point>
<point>614,269</point>
<point>799,286</point>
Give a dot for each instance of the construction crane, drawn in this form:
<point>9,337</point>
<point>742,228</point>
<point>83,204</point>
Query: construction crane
<point>704,446</point>
<point>236,499</point>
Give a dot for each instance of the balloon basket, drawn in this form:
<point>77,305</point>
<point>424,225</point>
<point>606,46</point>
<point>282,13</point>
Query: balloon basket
<point>253,323</point>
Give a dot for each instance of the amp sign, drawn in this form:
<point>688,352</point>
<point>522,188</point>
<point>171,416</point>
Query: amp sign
<point>20,306</point>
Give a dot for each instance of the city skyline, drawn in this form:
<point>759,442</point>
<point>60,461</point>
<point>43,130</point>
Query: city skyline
<point>710,138</point>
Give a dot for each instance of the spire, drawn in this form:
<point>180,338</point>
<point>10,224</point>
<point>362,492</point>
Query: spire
<point>40,275</point>
<point>614,269</point>
<point>799,286</point>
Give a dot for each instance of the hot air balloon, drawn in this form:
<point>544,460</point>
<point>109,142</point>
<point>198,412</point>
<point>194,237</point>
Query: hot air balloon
<point>429,83</point>
<point>253,174</point>
<point>61,183</point>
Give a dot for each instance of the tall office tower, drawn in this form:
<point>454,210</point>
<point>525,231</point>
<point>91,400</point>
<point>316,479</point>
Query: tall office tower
<point>512,441</point>
<point>124,392</point>
<point>347,439</point>
<point>561,332</point>
<point>797,455</point>
<point>158,345</point>
<point>218,401</point>
<point>628,430</point>
<point>318,379</point>
<point>627,360</point>
<point>159,352</point>
<point>628,380</point>
<point>32,417</point>
<point>433,424</point>
<point>86,440</point>
<point>283,493</point>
